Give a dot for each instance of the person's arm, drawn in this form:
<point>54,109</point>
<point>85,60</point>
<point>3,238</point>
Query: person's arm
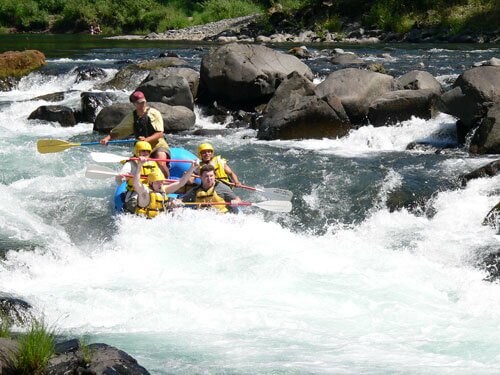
<point>142,191</point>
<point>173,187</point>
<point>232,175</point>
<point>126,169</point>
<point>124,129</point>
<point>227,194</point>
<point>152,138</point>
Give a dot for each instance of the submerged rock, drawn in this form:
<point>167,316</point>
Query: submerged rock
<point>14,308</point>
<point>86,73</point>
<point>490,169</point>
<point>93,103</point>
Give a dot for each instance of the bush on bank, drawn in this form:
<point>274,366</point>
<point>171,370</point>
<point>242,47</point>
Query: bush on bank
<point>130,16</point>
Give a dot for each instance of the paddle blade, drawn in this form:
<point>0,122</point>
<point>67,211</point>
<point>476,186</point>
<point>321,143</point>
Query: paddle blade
<point>275,206</point>
<point>45,146</point>
<point>276,194</point>
<point>103,157</point>
<point>98,172</point>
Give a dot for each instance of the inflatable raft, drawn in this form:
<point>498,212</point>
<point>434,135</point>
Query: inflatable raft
<point>177,170</point>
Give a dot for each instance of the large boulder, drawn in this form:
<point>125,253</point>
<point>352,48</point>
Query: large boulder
<point>486,140</point>
<point>72,358</point>
<point>18,64</point>
<point>55,113</point>
<point>191,75</point>
<point>173,90</point>
<point>245,75</point>
<point>418,80</point>
<point>396,106</point>
<point>472,93</point>
<point>111,116</point>
<point>295,111</point>
<point>175,118</point>
<point>356,89</point>
<point>15,64</point>
<point>132,75</point>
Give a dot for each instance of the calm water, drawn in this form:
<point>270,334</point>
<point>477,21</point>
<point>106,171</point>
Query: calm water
<point>372,272</point>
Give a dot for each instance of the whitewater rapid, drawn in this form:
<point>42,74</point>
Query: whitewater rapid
<point>318,291</point>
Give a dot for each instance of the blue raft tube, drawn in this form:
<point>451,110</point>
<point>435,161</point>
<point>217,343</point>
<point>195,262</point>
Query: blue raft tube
<point>177,170</point>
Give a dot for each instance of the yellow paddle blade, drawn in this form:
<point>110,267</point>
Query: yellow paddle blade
<point>45,146</point>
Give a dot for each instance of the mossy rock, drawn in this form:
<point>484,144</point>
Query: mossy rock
<point>18,64</point>
<point>163,62</point>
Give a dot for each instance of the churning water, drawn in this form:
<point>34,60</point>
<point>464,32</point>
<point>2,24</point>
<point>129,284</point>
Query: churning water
<point>373,272</point>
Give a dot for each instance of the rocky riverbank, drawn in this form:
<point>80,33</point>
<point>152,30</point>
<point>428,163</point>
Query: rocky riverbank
<point>248,30</point>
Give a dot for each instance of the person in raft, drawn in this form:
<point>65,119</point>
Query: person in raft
<point>153,197</point>
<point>222,170</point>
<point>141,148</point>
<point>212,190</point>
<point>146,124</point>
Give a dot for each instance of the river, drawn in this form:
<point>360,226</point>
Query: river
<point>373,272</point>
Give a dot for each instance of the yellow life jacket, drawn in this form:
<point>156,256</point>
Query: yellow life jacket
<point>220,173</point>
<point>210,196</point>
<point>147,168</point>
<point>158,202</point>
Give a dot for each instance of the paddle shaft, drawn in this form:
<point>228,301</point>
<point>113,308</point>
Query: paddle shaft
<point>166,160</point>
<point>233,184</point>
<point>218,203</point>
<point>272,193</point>
<point>113,141</point>
<point>98,172</point>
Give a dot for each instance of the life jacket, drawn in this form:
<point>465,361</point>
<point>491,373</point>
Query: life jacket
<point>220,173</point>
<point>147,168</point>
<point>158,202</point>
<point>142,125</point>
<point>210,196</point>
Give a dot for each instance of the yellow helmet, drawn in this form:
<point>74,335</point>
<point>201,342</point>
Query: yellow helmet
<point>155,176</point>
<point>141,146</point>
<point>203,147</point>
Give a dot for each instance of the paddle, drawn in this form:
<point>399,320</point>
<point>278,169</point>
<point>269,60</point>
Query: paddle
<point>98,172</point>
<point>103,157</point>
<point>274,206</point>
<point>45,146</point>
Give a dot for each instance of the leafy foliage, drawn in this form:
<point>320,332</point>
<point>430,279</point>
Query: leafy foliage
<point>216,10</point>
<point>131,16</point>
